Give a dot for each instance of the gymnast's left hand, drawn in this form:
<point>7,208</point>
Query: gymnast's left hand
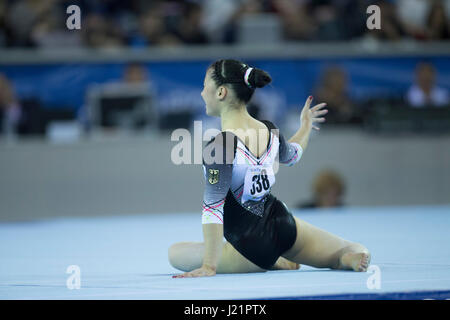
<point>309,116</point>
<point>204,271</point>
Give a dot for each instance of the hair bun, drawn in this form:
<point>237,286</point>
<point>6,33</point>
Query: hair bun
<point>259,78</point>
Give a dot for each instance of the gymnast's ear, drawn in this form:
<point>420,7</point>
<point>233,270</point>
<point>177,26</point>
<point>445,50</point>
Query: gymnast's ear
<point>222,92</point>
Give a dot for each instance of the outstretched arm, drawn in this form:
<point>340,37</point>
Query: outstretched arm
<point>308,118</point>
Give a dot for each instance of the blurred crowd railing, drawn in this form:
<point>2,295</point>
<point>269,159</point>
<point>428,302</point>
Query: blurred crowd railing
<point>300,50</point>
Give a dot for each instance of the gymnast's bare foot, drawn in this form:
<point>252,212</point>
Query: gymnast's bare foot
<point>284,264</point>
<point>357,261</point>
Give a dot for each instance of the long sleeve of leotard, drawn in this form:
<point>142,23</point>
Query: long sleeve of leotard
<point>218,170</point>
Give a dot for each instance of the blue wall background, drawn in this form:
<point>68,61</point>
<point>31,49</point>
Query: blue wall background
<point>178,84</point>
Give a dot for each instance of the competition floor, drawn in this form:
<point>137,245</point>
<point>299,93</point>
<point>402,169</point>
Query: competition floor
<point>126,258</point>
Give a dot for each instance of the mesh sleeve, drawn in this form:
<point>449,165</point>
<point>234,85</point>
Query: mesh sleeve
<point>218,159</point>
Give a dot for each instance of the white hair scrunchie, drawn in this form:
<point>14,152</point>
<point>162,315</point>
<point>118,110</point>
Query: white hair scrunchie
<point>246,75</point>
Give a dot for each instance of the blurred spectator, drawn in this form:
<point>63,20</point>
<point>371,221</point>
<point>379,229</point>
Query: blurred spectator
<point>50,31</point>
<point>412,14</point>
<point>333,90</point>
<point>254,6</point>
<point>135,73</point>
<point>424,92</point>
<point>153,29</point>
<point>251,24</point>
<point>353,16</point>
<point>328,15</point>
<point>99,32</point>
<point>10,109</point>
<point>392,27</point>
<point>217,18</point>
<point>189,29</point>
<point>125,103</point>
<point>4,32</point>
<point>424,19</point>
<point>328,189</point>
<point>438,22</point>
<point>298,23</point>
<point>323,20</point>
<point>21,18</point>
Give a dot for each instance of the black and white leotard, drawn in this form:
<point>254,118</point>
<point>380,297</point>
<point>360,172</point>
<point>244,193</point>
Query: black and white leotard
<point>238,194</point>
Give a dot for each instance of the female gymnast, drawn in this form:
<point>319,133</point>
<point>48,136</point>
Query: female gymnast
<point>261,233</point>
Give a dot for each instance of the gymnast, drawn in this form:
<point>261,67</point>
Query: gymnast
<point>261,233</point>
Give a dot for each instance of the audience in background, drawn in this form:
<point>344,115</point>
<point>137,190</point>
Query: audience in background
<point>124,103</point>
<point>297,22</point>
<point>328,190</point>
<point>424,92</point>
<point>392,28</point>
<point>4,28</point>
<point>99,32</point>
<point>218,19</point>
<point>137,23</point>
<point>10,109</point>
<point>141,24</point>
<point>189,29</point>
<point>153,29</point>
<point>135,73</point>
<point>438,22</point>
<point>423,20</point>
<point>22,16</point>
<point>339,20</point>
<point>50,31</point>
<point>333,88</point>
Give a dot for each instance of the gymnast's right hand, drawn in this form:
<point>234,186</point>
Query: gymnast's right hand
<point>204,271</point>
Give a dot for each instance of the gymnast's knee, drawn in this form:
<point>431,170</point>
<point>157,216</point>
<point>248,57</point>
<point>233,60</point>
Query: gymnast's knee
<point>181,258</point>
<point>174,253</point>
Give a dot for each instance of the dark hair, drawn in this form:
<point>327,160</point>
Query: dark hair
<point>232,72</point>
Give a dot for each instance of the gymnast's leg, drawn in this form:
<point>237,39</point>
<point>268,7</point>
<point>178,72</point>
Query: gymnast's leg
<point>318,248</point>
<point>187,256</point>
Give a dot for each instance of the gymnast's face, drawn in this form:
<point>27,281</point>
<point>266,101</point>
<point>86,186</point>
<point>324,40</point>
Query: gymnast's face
<point>213,96</point>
